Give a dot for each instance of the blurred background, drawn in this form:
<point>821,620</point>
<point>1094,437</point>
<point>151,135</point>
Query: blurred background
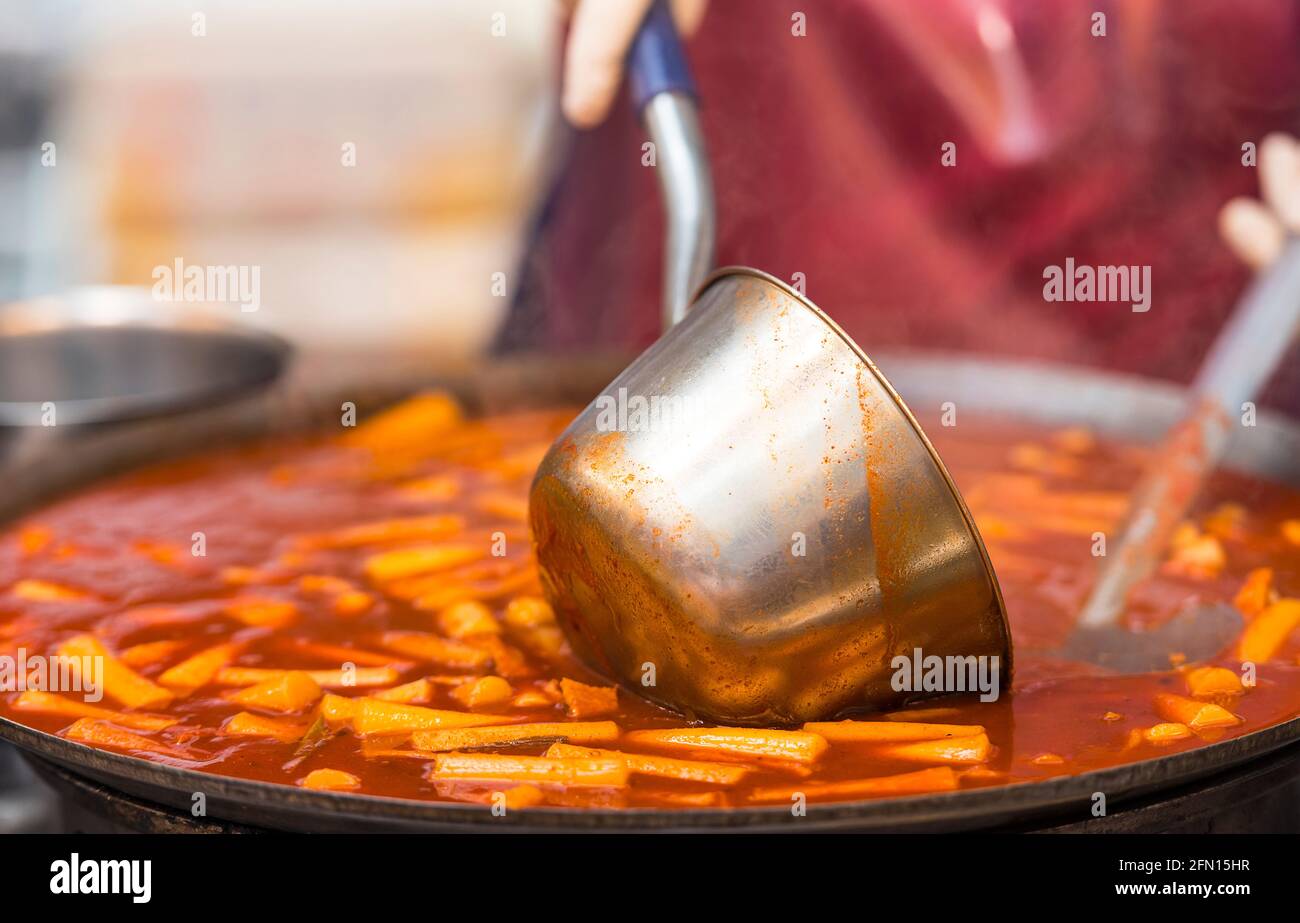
<point>227,147</point>
<point>217,133</point>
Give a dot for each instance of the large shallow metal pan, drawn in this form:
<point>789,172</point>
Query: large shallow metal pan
<point>1204,780</point>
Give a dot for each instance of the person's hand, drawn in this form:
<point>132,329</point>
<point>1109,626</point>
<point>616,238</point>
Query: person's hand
<point>600,34</point>
<point>1256,230</point>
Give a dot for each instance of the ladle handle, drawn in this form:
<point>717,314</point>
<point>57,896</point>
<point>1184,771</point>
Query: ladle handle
<point>665,95</point>
<point>656,62</point>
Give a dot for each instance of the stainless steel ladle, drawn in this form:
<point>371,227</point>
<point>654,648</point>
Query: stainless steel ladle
<point>748,524</point>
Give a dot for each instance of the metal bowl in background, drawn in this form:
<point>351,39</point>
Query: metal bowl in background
<point>110,354</point>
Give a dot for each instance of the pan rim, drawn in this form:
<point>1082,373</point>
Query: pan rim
<point>964,808</point>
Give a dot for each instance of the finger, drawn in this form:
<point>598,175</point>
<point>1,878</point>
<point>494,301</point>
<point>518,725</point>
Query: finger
<point>1279,178</point>
<point>687,15</point>
<point>593,66</point>
<point>1251,231</point>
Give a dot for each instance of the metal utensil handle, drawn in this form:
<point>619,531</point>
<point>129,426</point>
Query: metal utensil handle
<point>1240,363</point>
<point>1256,337</point>
<point>1157,505</point>
<point>664,93</point>
<point>656,63</point>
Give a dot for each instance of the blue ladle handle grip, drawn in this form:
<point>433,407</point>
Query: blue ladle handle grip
<point>656,62</point>
<point>665,98</point>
